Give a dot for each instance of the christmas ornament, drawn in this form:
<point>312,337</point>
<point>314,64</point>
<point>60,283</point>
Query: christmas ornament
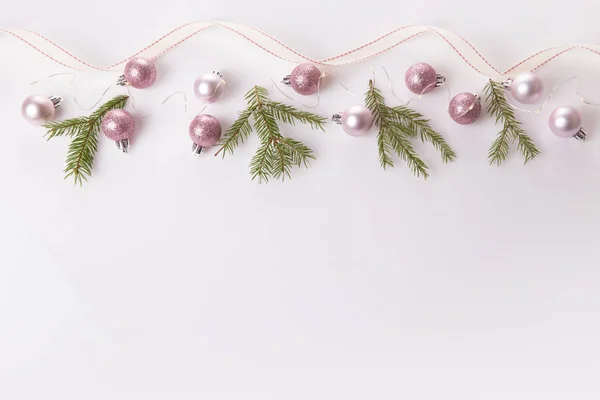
<point>356,120</point>
<point>119,125</point>
<point>39,109</point>
<point>565,122</point>
<point>375,47</point>
<point>502,112</point>
<point>209,87</point>
<point>421,78</point>
<point>397,126</point>
<point>526,88</point>
<point>84,134</point>
<point>305,79</point>
<point>465,108</point>
<point>140,73</point>
<point>205,131</point>
<point>276,154</point>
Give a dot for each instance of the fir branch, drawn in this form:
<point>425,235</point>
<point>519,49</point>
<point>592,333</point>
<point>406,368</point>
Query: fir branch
<point>80,156</point>
<point>385,150</point>
<point>290,115</point>
<point>237,133</point>
<point>397,125</point>
<point>500,109</point>
<point>527,147</point>
<point>118,102</point>
<point>376,103</point>
<point>68,127</point>
<point>420,126</point>
<point>265,126</point>
<point>398,139</point>
<point>500,147</point>
<point>276,154</point>
<point>300,154</point>
<point>83,147</point>
<point>282,163</point>
<point>259,166</point>
<point>257,97</point>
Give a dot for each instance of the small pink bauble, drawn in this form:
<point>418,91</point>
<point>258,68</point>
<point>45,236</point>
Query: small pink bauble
<point>140,73</point>
<point>465,108</point>
<point>304,79</point>
<point>421,78</point>
<point>526,88</point>
<point>356,120</point>
<point>205,131</point>
<point>209,87</point>
<point>118,125</point>
<point>565,122</point>
<point>39,110</point>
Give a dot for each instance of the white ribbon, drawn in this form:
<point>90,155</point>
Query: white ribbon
<point>176,37</point>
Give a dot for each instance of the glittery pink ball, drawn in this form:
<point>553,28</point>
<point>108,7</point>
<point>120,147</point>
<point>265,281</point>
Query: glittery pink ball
<point>140,73</point>
<point>305,79</point>
<point>118,125</point>
<point>465,108</point>
<point>420,78</point>
<point>205,130</point>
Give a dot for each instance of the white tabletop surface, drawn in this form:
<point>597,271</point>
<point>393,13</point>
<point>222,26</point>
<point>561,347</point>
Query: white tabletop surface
<point>170,277</point>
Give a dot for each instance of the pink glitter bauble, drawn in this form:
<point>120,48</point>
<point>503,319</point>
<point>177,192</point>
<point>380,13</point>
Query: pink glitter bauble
<point>465,108</point>
<point>205,130</point>
<point>140,73</point>
<point>305,79</point>
<point>118,125</point>
<point>420,78</point>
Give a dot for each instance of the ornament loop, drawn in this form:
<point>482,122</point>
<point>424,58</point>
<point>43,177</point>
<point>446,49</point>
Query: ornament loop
<point>337,118</point>
<point>274,85</point>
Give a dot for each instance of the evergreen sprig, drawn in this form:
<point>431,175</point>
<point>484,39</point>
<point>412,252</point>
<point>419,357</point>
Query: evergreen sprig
<point>397,125</point>
<point>276,154</point>
<point>511,128</point>
<point>84,131</point>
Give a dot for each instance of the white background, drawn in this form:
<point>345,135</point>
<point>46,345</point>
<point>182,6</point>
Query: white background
<point>170,277</point>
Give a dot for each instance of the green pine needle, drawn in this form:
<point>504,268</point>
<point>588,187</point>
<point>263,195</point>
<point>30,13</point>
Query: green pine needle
<point>419,126</point>
<point>84,131</point>
<point>68,127</point>
<point>276,154</point>
<point>399,140</point>
<point>511,129</point>
<point>237,133</point>
<point>397,125</point>
<point>289,115</point>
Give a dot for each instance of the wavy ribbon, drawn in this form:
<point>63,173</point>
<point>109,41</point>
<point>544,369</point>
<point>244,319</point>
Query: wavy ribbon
<point>465,50</point>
